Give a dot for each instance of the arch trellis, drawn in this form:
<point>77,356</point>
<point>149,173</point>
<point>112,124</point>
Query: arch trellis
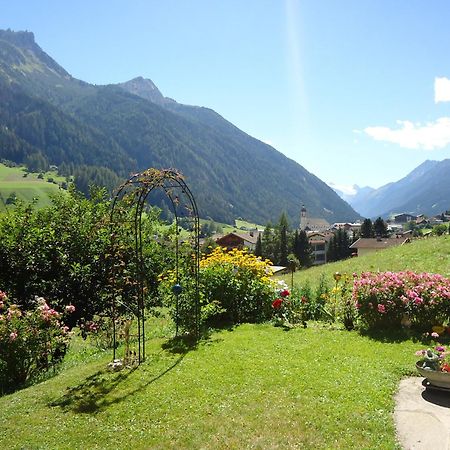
<point>133,195</point>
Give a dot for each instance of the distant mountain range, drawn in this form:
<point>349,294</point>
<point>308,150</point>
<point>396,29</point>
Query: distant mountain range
<point>426,190</point>
<point>45,112</point>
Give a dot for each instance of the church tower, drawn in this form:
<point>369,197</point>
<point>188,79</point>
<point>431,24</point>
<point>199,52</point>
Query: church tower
<point>303,218</point>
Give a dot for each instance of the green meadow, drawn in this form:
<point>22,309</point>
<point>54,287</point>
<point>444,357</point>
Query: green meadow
<point>13,180</point>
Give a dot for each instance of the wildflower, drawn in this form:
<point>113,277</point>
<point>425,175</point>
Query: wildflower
<point>434,334</point>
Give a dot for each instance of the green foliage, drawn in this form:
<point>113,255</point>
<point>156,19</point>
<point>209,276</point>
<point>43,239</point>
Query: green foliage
<point>302,248</point>
<point>56,252</point>
<point>367,230</point>
<point>239,282</point>
<point>31,342</point>
<point>283,228</point>
<point>177,290</point>
<point>380,227</point>
<point>440,229</point>
<point>64,252</point>
<point>338,247</point>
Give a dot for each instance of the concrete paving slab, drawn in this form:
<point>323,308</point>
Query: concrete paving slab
<point>422,416</point>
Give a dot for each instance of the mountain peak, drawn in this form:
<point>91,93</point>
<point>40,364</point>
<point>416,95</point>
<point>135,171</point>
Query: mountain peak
<point>19,38</point>
<point>22,55</point>
<point>145,88</point>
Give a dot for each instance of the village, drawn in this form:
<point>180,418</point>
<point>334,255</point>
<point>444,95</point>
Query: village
<point>399,230</point>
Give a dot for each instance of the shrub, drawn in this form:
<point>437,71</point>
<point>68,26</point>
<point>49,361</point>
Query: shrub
<point>64,252</point>
<point>31,342</point>
<point>240,282</point>
<point>384,299</point>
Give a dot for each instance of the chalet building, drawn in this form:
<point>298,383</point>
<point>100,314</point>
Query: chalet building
<point>239,240</point>
<point>319,245</point>
<point>404,218</point>
<point>348,227</point>
<point>363,246</point>
<point>312,224</point>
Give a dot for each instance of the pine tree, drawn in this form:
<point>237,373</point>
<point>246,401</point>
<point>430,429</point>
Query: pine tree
<point>258,247</point>
<point>267,243</point>
<point>367,229</point>
<point>380,227</point>
<point>302,248</point>
<point>283,240</point>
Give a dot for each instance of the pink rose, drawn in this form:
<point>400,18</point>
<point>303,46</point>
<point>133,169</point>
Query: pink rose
<point>70,309</point>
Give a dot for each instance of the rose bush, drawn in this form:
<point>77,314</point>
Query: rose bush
<point>31,342</point>
<point>384,299</point>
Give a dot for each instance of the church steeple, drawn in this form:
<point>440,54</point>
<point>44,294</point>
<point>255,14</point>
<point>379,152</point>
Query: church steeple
<point>303,218</point>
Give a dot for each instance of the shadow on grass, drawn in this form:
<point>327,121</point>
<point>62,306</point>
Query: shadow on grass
<point>104,388</point>
<point>392,336</point>
<point>401,335</point>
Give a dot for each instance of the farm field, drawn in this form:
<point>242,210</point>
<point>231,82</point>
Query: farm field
<point>12,181</point>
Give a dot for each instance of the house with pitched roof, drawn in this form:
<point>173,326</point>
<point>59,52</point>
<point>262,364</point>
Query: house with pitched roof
<point>363,246</point>
<point>239,240</point>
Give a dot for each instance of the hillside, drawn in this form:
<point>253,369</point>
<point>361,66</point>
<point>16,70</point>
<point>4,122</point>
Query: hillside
<point>130,127</point>
<point>421,255</point>
<point>425,190</point>
<point>15,183</point>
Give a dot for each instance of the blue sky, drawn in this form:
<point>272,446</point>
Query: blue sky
<point>356,91</point>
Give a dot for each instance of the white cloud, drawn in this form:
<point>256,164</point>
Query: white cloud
<point>344,188</point>
<point>441,90</point>
<point>430,136</point>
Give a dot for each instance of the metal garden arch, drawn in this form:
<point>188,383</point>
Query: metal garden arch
<point>183,205</point>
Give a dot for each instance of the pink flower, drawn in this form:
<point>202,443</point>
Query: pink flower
<point>381,308</point>
<point>12,336</point>
<point>434,334</point>
<point>70,308</point>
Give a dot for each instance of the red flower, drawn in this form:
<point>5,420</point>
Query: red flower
<point>284,293</point>
<point>276,304</point>
<point>446,367</point>
<point>304,299</point>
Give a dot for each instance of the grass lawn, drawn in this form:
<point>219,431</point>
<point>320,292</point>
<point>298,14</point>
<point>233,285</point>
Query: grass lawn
<point>430,254</point>
<point>26,188</point>
<point>256,386</point>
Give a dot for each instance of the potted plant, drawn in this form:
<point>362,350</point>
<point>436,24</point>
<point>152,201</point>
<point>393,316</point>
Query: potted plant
<point>434,365</point>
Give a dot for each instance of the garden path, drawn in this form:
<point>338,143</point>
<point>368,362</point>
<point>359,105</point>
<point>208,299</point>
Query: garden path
<point>422,416</point>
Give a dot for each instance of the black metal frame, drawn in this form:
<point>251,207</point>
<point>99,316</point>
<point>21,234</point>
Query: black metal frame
<point>139,186</point>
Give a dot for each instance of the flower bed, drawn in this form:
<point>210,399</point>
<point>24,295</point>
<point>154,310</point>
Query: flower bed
<point>384,299</point>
